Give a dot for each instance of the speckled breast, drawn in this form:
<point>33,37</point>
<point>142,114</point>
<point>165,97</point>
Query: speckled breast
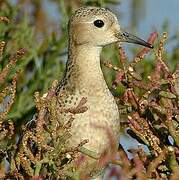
<point>99,124</point>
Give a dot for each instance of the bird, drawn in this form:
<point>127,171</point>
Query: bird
<point>89,30</point>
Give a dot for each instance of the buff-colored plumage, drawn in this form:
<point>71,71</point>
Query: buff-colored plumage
<point>84,78</point>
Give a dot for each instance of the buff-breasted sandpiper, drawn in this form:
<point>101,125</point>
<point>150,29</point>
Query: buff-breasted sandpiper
<point>90,29</point>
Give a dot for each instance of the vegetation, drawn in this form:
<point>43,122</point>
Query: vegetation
<point>32,54</point>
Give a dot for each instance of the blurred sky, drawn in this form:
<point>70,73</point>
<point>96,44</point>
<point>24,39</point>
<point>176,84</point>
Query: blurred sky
<point>156,12</point>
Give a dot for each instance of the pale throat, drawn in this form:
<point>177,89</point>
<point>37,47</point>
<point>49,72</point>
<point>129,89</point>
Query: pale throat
<point>84,67</point>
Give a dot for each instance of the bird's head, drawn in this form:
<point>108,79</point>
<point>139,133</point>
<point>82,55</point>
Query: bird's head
<point>98,27</point>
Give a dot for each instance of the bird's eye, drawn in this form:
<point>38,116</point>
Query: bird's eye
<point>99,23</point>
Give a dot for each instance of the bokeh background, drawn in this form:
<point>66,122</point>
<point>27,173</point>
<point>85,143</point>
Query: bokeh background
<point>40,26</point>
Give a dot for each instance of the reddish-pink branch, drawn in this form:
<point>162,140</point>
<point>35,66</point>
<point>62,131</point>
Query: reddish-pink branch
<point>144,51</point>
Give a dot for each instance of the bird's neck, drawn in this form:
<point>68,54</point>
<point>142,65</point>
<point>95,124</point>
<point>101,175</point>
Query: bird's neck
<point>83,68</point>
